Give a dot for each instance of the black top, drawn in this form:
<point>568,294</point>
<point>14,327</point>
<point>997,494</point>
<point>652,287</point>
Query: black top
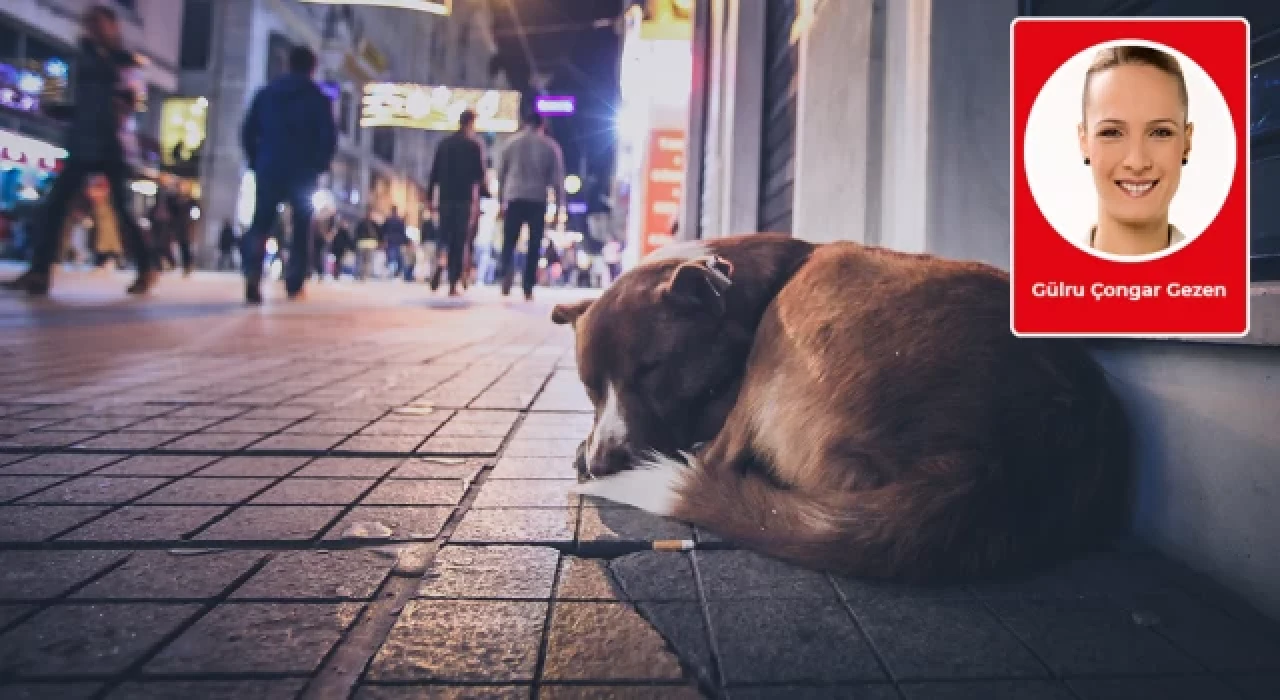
<point>458,166</point>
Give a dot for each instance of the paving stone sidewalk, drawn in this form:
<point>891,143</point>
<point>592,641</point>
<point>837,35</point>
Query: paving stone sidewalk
<point>366,496</point>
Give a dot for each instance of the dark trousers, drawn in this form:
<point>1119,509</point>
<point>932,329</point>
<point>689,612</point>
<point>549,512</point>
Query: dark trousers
<point>253,246</point>
<point>68,185</point>
<point>455,233</point>
<point>519,213</point>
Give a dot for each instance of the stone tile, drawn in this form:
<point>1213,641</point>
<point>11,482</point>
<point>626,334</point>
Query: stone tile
<point>626,524</point>
<point>349,467</point>
<point>535,468</point>
<point>491,572</point>
<point>260,426</point>
<point>1216,640</point>
<point>39,523</point>
<point>380,444</point>
<point>340,428</point>
<point>91,490</point>
<point>161,574</point>
<point>295,490</point>
<point>860,592</point>
<point>445,692</point>
<point>935,639</point>
<point>202,491</point>
<point>987,690</point>
<point>10,613</point>
<point>475,429</point>
<point>49,439</point>
<point>298,443</point>
<point>214,442</point>
<point>18,426</point>
<point>15,487</point>
<point>587,579</point>
<point>418,492</point>
<point>1105,573</point>
<point>258,638</point>
<point>342,574</point>
<point>210,690</point>
<point>486,417</point>
<point>157,465</point>
<point>253,466</point>
<point>290,412</point>
<point>517,526</point>
<point>543,423</point>
<point>396,426</point>
<point>619,692</point>
<point>1168,688</point>
<point>50,691</point>
<point>96,423</point>
<point>145,523</point>
<point>462,640</point>
<point>461,446</point>
<point>36,575</point>
<point>1088,636</point>
<point>426,469</point>
<point>207,411</point>
<point>1257,686</point>
<point>565,449</point>
<point>60,465</point>
<point>737,575</point>
<point>682,625</point>
<point>10,458</point>
<point>861,691</point>
<point>529,493</point>
<point>407,523</point>
<point>790,641</point>
<point>605,641</point>
<point>75,640</point>
<point>263,523</point>
<point>656,576</point>
<point>132,442</point>
<point>172,424</point>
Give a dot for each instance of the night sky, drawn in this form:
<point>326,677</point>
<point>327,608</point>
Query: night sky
<point>582,60</point>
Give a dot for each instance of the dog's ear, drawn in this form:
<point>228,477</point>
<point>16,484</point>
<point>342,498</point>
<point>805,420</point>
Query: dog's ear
<point>700,284</point>
<point>569,313</point>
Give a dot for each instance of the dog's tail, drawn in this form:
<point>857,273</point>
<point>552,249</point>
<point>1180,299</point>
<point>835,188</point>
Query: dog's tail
<point>911,531</point>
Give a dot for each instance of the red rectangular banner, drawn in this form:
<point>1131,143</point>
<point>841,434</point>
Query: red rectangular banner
<point>1129,159</point>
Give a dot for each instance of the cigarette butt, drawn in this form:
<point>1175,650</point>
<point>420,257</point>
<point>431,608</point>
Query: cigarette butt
<point>673,545</point>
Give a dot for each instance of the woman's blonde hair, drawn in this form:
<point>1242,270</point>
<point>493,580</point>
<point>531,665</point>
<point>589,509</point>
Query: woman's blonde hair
<point>1107,59</point>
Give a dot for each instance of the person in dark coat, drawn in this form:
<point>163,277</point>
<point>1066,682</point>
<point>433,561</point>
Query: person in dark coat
<point>457,174</point>
<point>289,138</point>
<point>102,102</point>
<point>395,236</point>
<point>227,241</point>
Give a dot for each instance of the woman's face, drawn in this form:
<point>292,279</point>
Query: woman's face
<point>1135,136</point>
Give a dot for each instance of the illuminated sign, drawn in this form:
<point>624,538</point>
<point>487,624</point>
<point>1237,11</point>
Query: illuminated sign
<point>577,207</point>
<point>25,150</point>
<point>435,7</point>
<point>665,176</point>
<point>552,106</point>
<point>182,128</point>
<point>438,108</point>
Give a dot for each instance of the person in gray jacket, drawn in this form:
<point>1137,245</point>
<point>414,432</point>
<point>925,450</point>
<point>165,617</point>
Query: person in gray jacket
<point>531,163</point>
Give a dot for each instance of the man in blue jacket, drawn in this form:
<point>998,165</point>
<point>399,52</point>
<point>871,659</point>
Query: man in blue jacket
<point>289,138</point>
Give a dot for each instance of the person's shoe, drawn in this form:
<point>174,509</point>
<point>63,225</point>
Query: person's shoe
<point>435,280</point>
<point>453,290</point>
<point>298,293</point>
<point>143,284</point>
<point>252,293</point>
<point>186,271</point>
<point>528,295</point>
<point>34,283</point>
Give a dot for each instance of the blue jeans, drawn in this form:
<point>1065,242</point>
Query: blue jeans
<point>253,247</point>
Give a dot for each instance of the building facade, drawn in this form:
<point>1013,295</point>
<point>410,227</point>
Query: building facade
<point>231,48</point>
<point>887,122</point>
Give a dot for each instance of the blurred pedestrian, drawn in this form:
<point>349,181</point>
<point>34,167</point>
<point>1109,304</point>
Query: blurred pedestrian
<point>103,102</point>
<point>457,175</point>
<point>289,138</point>
<point>532,163</point>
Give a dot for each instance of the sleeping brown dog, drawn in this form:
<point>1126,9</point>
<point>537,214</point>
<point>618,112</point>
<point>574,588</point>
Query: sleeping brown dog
<point>864,412</point>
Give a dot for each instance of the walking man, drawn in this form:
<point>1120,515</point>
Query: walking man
<point>289,138</point>
<point>531,163</point>
<point>454,187</point>
<point>102,102</point>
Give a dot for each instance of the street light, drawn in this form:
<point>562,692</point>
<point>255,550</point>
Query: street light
<point>573,184</point>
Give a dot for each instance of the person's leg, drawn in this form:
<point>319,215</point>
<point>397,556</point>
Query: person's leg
<point>537,224</point>
<point>128,225</point>
<point>453,221</point>
<point>46,234</point>
<point>253,244</point>
<point>299,264</point>
<point>510,235</point>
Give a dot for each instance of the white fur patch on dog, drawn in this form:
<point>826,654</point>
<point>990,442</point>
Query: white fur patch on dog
<point>610,429</point>
<point>653,485</point>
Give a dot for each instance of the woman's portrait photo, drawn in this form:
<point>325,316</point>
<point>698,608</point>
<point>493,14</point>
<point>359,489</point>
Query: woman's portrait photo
<point>1129,151</point>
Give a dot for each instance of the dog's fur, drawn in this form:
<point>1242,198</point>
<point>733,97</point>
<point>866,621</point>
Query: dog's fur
<point>866,412</point>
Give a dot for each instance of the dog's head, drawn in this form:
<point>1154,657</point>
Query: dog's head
<point>661,358</point>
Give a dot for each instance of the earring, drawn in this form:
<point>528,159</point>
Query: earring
<point>1086,161</point>
<point>1184,161</point>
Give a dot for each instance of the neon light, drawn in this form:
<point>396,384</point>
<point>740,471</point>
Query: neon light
<point>437,108</point>
<point>435,7</point>
<point>551,106</point>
